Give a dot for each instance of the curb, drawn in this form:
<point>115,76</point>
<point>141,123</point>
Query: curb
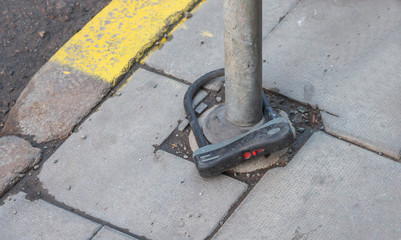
<point>84,70</point>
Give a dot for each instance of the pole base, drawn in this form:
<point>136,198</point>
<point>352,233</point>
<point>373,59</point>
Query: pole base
<point>216,127</point>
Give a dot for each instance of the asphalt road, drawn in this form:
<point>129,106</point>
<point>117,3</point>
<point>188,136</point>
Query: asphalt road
<point>31,31</point>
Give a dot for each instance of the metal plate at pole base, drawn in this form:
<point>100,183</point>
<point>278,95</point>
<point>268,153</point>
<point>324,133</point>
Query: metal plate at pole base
<point>216,128</point>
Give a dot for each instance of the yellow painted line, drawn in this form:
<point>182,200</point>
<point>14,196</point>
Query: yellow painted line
<point>119,35</point>
<point>206,34</point>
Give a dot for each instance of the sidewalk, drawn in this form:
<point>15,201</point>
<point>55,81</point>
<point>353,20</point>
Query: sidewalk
<point>344,183</point>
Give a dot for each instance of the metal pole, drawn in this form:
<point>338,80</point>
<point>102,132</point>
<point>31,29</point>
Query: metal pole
<point>243,61</point>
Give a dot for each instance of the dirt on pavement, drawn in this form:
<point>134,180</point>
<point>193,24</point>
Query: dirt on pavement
<point>304,118</point>
<point>31,31</point>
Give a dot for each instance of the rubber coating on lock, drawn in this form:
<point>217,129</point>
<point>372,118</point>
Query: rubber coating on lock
<point>214,159</point>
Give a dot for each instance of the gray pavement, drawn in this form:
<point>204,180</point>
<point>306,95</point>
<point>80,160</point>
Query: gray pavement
<point>201,39</point>
<point>338,55</point>
<point>341,56</point>
<point>330,190</point>
<point>21,219</point>
<point>115,175</point>
<point>107,233</point>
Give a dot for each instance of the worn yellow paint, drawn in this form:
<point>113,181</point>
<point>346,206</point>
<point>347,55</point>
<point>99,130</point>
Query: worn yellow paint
<point>180,25</point>
<point>207,34</point>
<point>119,35</point>
<point>66,73</point>
<point>184,26</point>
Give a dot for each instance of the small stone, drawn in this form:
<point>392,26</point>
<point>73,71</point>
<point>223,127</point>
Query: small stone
<point>83,137</point>
<point>235,174</point>
<point>155,86</point>
<point>218,99</point>
<point>188,14</point>
<point>200,194</point>
<point>289,151</point>
<point>202,94</point>
<point>15,212</point>
<point>42,34</point>
<point>151,223</point>
<point>293,112</point>
<point>322,128</point>
<point>301,130</point>
<point>189,215</point>
<point>198,215</point>
<point>36,167</point>
<point>150,211</point>
<point>182,181</point>
<point>45,147</point>
<point>36,179</point>
<point>302,109</point>
<point>9,198</point>
<point>69,188</point>
<point>248,175</point>
<point>38,193</point>
<point>55,161</point>
<point>165,35</point>
<point>202,107</point>
<point>381,153</point>
<point>29,174</point>
<point>119,93</point>
<point>258,174</point>
<point>183,125</point>
<point>21,175</point>
<point>186,156</point>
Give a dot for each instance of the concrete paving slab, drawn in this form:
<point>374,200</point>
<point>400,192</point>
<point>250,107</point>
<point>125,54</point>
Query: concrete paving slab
<point>22,219</point>
<point>115,175</point>
<point>331,54</point>
<point>331,189</point>
<point>198,47</point>
<point>107,233</point>
<point>342,56</point>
